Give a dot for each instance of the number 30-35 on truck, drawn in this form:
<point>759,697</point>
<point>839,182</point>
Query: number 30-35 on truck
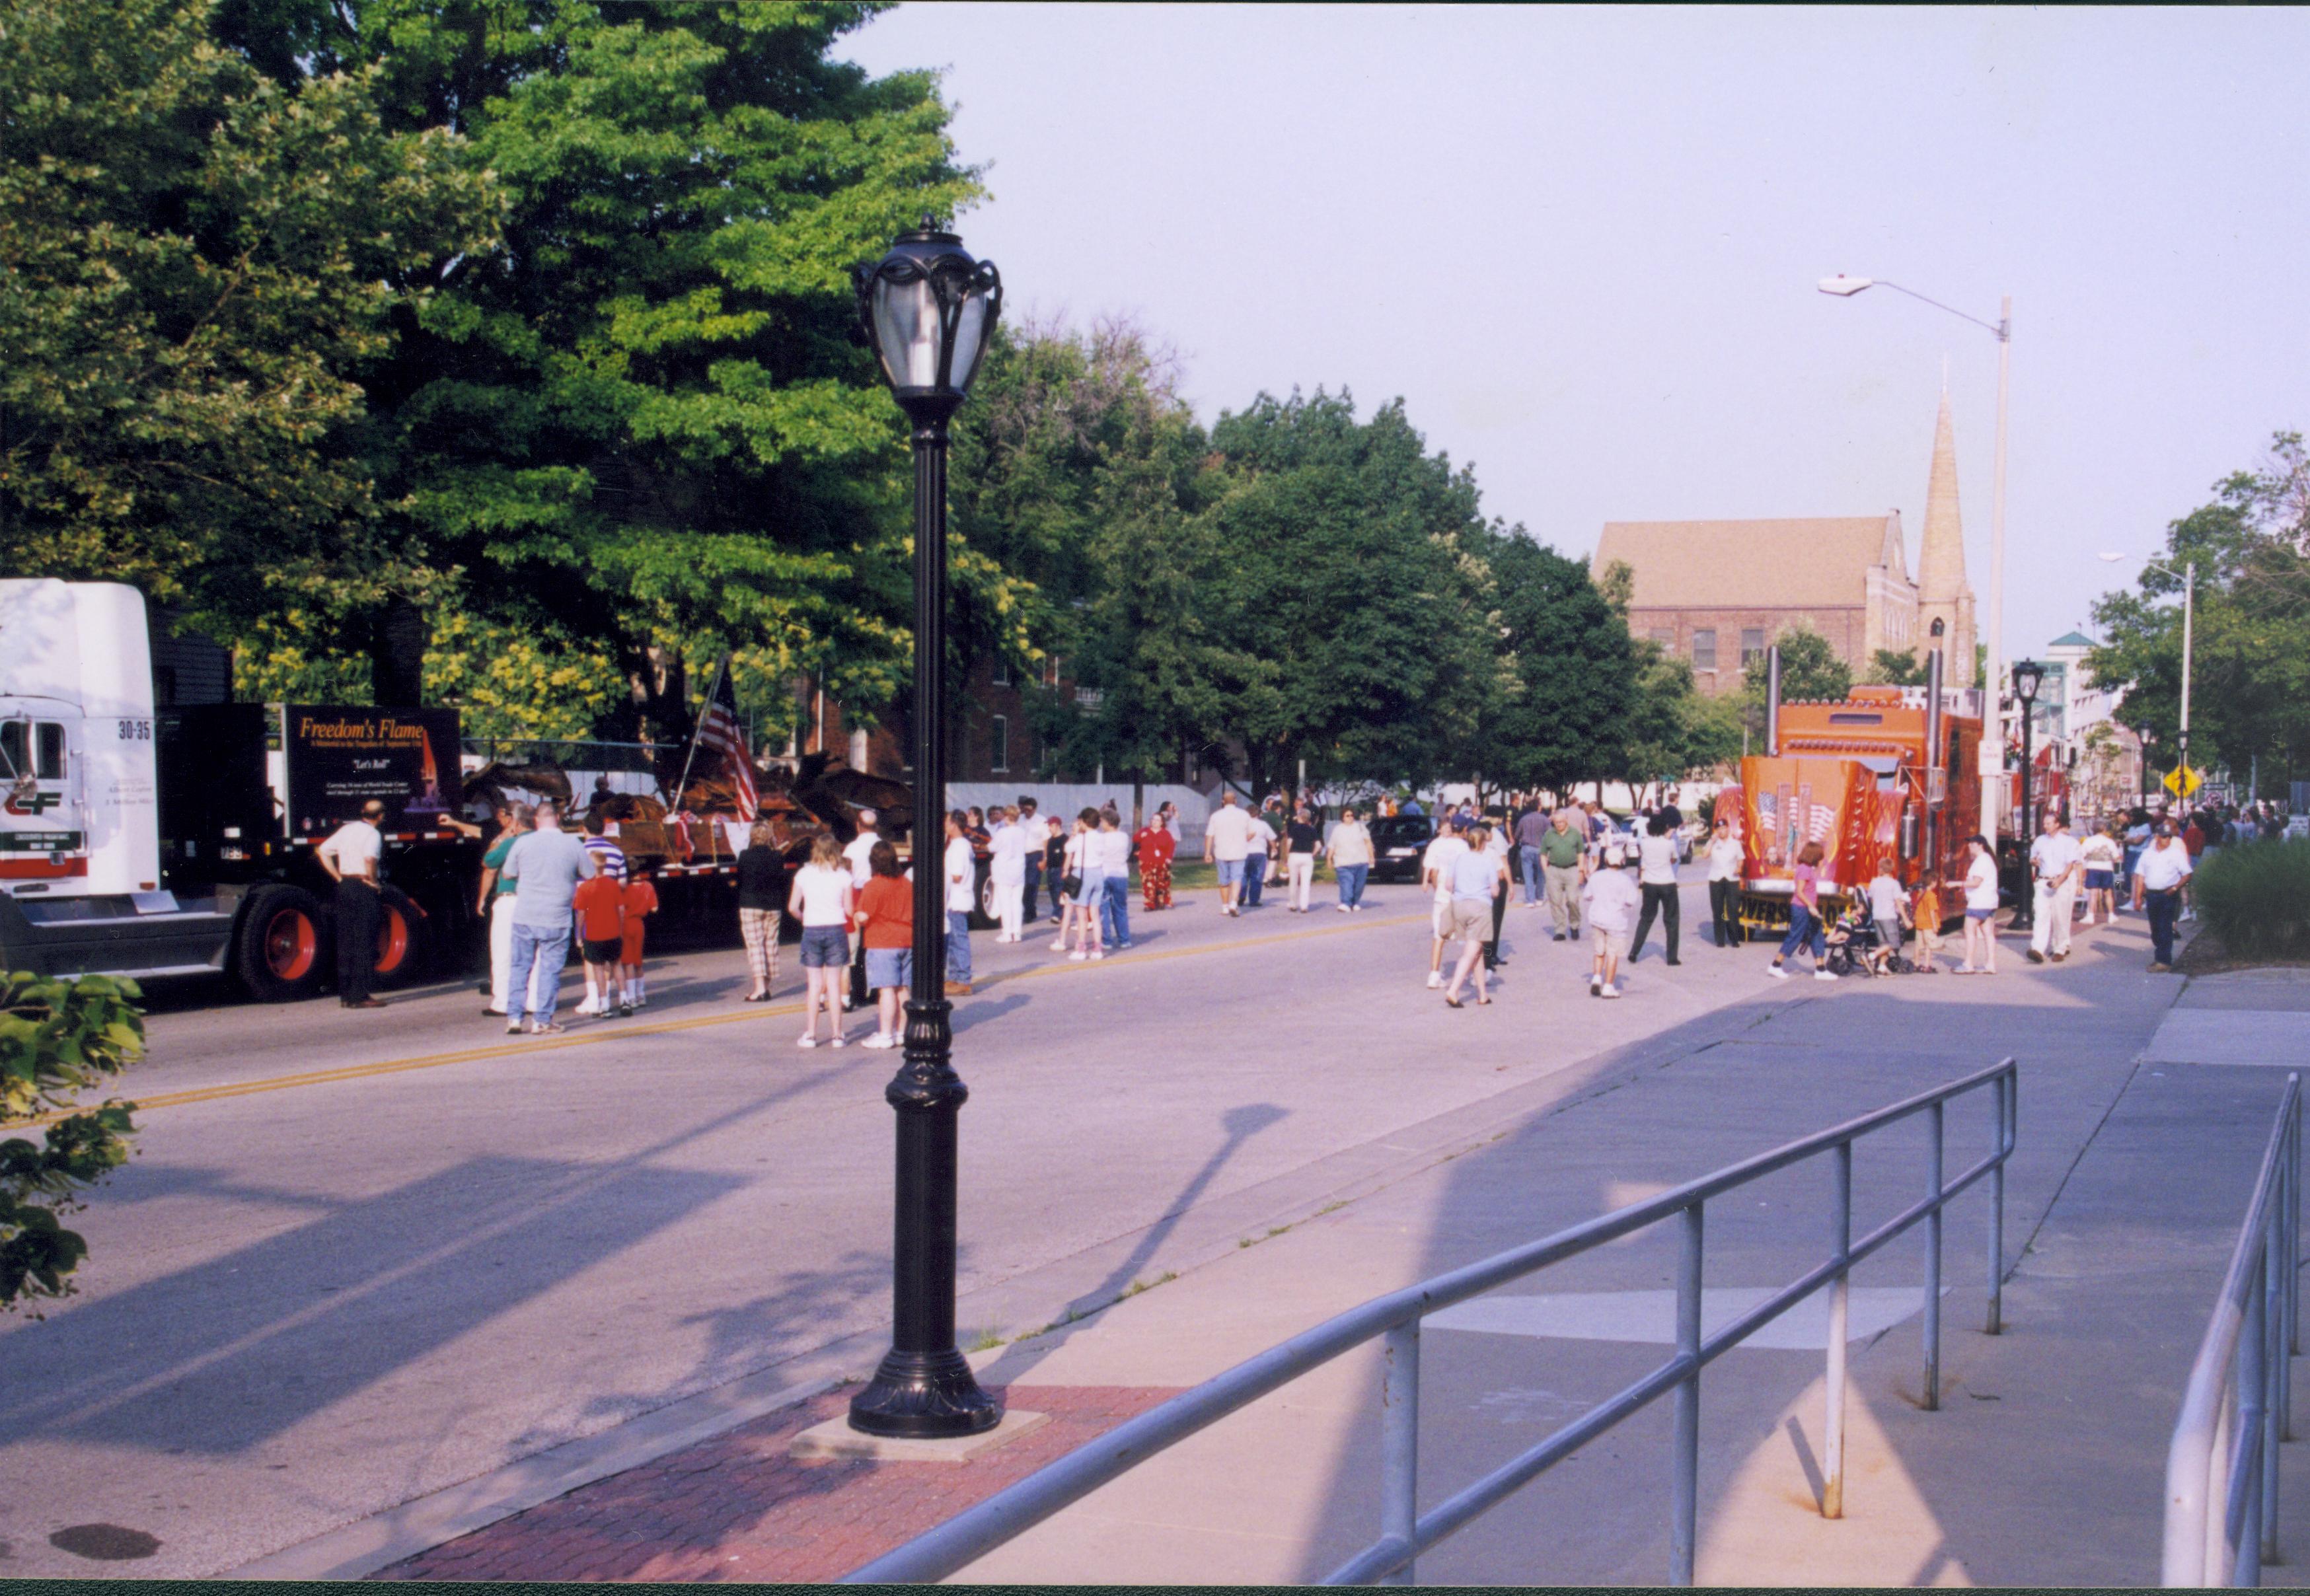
<point>149,840</point>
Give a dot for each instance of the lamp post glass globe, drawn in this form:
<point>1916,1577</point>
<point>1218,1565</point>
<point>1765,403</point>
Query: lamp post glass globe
<point>928,308</point>
<point>2027,676</point>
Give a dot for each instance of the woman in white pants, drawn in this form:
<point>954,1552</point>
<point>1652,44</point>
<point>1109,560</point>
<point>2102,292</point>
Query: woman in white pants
<point>1305,837</point>
<point>1006,872</point>
<point>495,900</point>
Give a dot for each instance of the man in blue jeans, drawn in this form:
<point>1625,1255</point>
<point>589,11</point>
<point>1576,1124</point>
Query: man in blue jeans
<point>961,888</point>
<point>545,867</point>
<point>2165,866</point>
<point>1114,845</point>
<point>1531,827</point>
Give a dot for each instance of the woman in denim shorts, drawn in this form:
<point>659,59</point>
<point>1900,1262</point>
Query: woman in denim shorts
<point>821,900</point>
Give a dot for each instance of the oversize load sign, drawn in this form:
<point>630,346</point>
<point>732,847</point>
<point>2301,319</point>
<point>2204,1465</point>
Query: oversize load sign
<point>340,759</point>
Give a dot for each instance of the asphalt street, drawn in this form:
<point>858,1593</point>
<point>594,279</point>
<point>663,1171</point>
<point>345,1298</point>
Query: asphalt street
<point>362,1257</point>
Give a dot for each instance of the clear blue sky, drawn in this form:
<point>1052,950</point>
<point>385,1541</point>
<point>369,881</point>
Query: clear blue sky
<point>1582,243</point>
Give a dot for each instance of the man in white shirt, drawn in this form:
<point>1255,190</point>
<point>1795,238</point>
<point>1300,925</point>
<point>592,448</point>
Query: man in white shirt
<point>2159,875</point>
<point>1436,875</point>
<point>1009,845</point>
<point>961,888</point>
<point>1226,840</point>
<point>1111,843</point>
<point>352,855</point>
<point>2056,866</point>
<point>855,854</point>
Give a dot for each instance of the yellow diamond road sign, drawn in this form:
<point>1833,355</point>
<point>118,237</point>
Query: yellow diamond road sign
<point>2182,781</point>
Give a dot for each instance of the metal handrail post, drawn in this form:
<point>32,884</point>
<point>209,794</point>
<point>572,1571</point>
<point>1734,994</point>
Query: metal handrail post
<point>2245,1482</point>
<point>1933,1315</point>
<point>1684,1504</point>
<point>1398,1442</point>
<point>2001,1141</point>
<point>1832,1445</point>
<point>2269,1330</point>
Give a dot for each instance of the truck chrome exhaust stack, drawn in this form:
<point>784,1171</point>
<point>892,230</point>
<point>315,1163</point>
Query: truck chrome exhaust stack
<point>1772,701</point>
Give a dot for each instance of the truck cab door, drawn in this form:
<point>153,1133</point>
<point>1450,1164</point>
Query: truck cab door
<point>43,822</point>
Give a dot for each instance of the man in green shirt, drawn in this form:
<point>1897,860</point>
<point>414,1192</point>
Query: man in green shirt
<point>1562,850</point>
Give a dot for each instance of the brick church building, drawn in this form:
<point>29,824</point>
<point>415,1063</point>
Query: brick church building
<point>1717,593</point>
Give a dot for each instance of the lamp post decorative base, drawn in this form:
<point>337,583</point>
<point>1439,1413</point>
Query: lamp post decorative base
<point>921,1396</point>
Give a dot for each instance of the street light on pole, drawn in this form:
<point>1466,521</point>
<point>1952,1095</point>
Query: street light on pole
<point>2189,574</point>
<point>1992,763</point>
<point>928,309</point>
<point>2029,676</point>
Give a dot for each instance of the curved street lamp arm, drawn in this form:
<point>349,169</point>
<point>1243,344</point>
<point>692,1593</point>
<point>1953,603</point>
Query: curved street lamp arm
<point>2001,331</point>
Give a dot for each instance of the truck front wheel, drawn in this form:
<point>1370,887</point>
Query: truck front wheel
<point>283,952</point>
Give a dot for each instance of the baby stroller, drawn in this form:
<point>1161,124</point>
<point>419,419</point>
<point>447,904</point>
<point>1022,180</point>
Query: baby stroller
<point>1855,947</point>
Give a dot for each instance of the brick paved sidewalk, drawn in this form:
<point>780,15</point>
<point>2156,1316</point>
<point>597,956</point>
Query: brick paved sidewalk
<point>737,1507</point>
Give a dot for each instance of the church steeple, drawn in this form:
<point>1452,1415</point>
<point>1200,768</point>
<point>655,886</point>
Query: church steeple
<point>1941,558</point>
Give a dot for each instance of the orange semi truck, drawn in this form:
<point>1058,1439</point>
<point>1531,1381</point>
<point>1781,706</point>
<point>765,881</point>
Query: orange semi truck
<point>1882,776</point>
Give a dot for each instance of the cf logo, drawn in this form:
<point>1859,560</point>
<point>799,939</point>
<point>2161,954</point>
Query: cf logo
<point>32,803</point>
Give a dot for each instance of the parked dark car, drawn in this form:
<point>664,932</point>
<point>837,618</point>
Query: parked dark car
<point>1398,841</point>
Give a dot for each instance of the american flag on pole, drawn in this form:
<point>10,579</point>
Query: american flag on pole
<point>719,730</point>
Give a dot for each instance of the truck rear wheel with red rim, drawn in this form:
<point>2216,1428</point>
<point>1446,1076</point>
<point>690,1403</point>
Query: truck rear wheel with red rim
<point>400,938</point>
<point>282,948</point>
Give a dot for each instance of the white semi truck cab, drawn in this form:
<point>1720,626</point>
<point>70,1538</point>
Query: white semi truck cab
<point>149,840</point>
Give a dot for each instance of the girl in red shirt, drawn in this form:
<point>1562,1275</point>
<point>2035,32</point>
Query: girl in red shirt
<point>886,922</point>
<point>640,902</point>
<point>1156,845</point>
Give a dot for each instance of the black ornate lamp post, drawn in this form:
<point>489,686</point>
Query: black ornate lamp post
<point>928,309</point>
<point>2027,675</point>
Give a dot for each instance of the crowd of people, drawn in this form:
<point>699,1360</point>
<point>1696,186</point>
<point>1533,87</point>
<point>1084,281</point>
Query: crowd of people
<point>1600,880</point>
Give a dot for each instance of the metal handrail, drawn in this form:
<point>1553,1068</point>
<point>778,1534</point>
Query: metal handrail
<point>2238,1404</point>
<point>1395,1318</point>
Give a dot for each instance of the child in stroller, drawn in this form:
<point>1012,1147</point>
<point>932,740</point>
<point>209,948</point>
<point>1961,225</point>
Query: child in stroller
<point>1855,945</point>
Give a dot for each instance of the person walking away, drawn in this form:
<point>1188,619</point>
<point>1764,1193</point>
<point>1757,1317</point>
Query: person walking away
<point>600,905</point>
<point>495,900</point>
<point>1726,854</point>
<point>1477,874</point>
<point>761,901</point>
<point>1057,834</point>
<point>961,869</point>
<point>1226,846</point>
<point>856,854</point>
<point>1563,847</point>
<point>1888,906</point>
<point>353,855</point>
<point>1609,901</point>
<point>1006,867</point>
<point>2100,853</point>
<point>886,921</point>
<point>2164,871</point>
<point>2193,843</point>
<point>822,896</point>
<point>1805,930</point>
<point>2141,831</point>
<point>1038,833</point>
<point>1436,874</point>
<point>1258,860</point>
<point>1068,890</point>
<point>1499,848</point>
<point>1085,886</point>
<point>609,858</point>
<point>1352,853</point>
<point>2056,865</point>
<point>1531,831</point>
<point>1115,866</point>
<point>1980,908</point>
<point>1925,916</point>
<point>545,868</point>
<point>1303,845</point>
<point>1656,877</point>
<point>1156,845</point>
<point>639,904</point>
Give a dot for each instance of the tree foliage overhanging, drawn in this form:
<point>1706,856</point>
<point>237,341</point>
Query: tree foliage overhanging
<point>530,318</point>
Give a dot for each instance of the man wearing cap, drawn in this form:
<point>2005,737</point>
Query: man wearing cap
<point>2056,866</point>
<point>2165,866</point>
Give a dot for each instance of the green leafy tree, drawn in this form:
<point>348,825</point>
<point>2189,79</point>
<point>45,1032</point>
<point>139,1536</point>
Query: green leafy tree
<point>1571,670</point>
<point>1896,667</point>
<point>201,267</point>
<point>1674,731</point>
<point>57,1040</point>
<point>1809,669</point>
<point>1350,564</point>
<point>2250,690</point>
<point>643,427</point>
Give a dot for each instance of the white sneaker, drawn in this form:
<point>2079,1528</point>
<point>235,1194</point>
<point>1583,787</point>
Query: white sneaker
<point>1434,980</point>
<point>1610,991</point>
<point>1098,953</point>
<point>1058,947</point>
<point>514,1029</point>
<point>1777,972</point>
<point>1595,986</point>
<point>1077,956</point>
<point>879,1040</point>
<point>806,1040</point>
<point>1344,908</point>
<point>839,1041</point>
<point>1824,975</point>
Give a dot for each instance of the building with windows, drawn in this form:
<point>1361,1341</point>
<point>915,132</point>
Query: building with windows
<point>1718,592</point>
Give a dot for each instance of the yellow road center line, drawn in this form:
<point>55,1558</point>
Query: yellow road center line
<point>589,1038</point>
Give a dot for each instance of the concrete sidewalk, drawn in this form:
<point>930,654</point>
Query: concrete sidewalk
<point>2044,1466</point>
